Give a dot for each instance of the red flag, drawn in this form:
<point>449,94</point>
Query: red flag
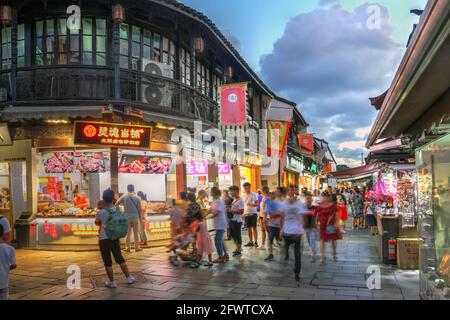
<point>277,140</point>
<point>233,103</point>
<point>306,141</point>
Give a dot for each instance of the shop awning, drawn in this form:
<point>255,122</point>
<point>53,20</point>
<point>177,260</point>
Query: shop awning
<point>35,113</point>
<point>355,173</point>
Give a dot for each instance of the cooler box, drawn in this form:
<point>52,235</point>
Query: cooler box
<point>408,253</point>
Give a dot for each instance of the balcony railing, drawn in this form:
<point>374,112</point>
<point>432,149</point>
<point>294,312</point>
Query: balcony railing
<point>65,83</point>
<point>160,94</point>
<point>167,94</point>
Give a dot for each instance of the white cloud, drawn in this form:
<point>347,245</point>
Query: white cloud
<point>352,145</point>
<point>362,132</point>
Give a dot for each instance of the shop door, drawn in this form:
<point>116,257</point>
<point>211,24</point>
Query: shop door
<point>13,190</point>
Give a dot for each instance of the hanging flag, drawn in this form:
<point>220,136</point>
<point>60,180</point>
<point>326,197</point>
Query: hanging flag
<point>233,104</point>
<point>306,142</point>
<point>277,135</point>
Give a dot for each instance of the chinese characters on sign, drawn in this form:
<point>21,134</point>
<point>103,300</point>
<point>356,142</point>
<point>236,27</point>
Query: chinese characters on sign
<point>112,134</point>
<point>194,168</point>
<point>224,168</point>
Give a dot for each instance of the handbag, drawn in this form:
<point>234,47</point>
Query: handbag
<point>330,229</point>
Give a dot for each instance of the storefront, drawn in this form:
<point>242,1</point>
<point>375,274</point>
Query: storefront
<point>70,181</point>
<point>197,174</point>
<point>294,167</point>
<point>433,203</point>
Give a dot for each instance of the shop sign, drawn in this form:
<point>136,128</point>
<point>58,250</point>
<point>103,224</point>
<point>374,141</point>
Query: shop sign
<point>144,164</point>
<point>224,168</point>
<point>112,134</point>
<point>313,167</point>
<point>295,164</point>
<point>195,168</point>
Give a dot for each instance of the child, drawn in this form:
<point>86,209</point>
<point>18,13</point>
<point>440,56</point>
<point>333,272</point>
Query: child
<point>7,263</point>
<point>204,242</point>
<point>342,213</point>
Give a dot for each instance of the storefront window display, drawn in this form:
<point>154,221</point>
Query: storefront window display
<point>197,174</point>
<point>433,198</point>
<point>246,175</point>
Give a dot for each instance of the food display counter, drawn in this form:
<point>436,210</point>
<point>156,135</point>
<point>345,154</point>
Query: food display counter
<point>82,231</point>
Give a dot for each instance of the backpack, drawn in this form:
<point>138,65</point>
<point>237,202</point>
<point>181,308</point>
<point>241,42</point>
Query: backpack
<point>117,226</point>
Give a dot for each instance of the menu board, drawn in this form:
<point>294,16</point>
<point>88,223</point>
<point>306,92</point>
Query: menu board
<point>144,164</point>
<point>75,162</point>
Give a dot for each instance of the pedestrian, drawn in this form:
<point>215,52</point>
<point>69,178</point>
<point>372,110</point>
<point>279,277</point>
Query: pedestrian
<point>250,214</point>
<point>292,230</point>
<point>217,212</point>
<point>7,238</point>
<point>177,216</point>
<point>236,210</point>
<point>342,212</point>
<point>202,197</point>
<point>273,222</point>
<point>371,217</point>
<point>228,201</point>
<point>7,263</point>
<point>143,220</point>
<point>327,218</point>
<point>262,217</point>
<point>204,242</point>
<point>358,208</point>
<point>108,245</point>
<point>133,211</point>
<point>310,227</point>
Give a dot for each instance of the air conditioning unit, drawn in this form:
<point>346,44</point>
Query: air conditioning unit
<point>156,91</point>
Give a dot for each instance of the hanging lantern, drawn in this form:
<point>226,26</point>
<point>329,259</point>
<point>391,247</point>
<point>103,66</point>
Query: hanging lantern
<point>199,43</point>
<point>230,72</point>
<point>6,15</point>
<point>118,13</point>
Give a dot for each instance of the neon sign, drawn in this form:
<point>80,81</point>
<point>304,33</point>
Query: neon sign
<point>112,134</point>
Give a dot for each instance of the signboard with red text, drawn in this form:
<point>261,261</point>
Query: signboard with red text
<point>112,134</point>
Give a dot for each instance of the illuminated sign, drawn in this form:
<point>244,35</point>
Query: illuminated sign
<point>194,168</point>
<point>224,168</point>
<point>112,134</point>
<point>313,167</point>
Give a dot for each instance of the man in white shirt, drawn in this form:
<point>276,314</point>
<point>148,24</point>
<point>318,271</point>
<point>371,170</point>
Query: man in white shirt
<point>251,214</point>
<point>237,209</point>
<point>292,230</point>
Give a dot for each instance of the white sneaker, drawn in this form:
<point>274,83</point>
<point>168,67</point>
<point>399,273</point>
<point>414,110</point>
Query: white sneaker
<point>131,280</point>
<point>111,284</point>
<point>262,247</point>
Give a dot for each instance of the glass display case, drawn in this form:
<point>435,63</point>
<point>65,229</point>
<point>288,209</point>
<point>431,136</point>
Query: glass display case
<point>433,203</point>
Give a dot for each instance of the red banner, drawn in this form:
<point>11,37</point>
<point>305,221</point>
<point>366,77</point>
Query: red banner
<point>277,135</point>
<point>233,103</point>
<point>306,141</point>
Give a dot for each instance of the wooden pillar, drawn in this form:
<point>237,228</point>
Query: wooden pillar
<point>114,167</point>
<point>213,174</point>
<point>181,178</point>
<point>236,176</point>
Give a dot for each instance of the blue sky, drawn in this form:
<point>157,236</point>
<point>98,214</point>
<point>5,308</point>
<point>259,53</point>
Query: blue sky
<point>311,52</point>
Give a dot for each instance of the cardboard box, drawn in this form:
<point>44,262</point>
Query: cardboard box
<point>408,253</point>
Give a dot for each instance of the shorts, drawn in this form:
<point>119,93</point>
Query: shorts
<point>251,221</point>
<point>107,247</point>
<point>371,220</point>
<point>274,233</point>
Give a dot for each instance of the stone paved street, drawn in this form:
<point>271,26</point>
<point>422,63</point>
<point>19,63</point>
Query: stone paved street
<point>42,275</point>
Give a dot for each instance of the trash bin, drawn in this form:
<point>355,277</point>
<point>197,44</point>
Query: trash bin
<point>26,230</point>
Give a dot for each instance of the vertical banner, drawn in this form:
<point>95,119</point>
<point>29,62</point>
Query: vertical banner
<point>306,142</point>
<point>277,135</point>
<point>233,104</point>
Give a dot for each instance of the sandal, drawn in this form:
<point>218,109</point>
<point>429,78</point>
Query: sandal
<point>219,260</point>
